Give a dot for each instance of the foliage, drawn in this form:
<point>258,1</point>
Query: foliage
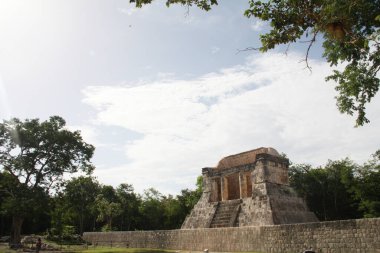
<point>59,215</point>
<point>107,210</point>
<point>189,198</point>
<point>339,190</point>
<point>34,157</point>
<point>367,188</point>
<point>37,154</point>
<point>130,202</point>
<point>79,199</point>
<point>151,209</point>
<point>202,4</point>
<point>351,35</point>
<point>173,215</point>
<point>67,236</point>
<point>18,198</point>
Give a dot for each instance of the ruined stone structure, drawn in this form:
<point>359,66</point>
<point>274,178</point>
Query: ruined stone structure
<point>248,189</point>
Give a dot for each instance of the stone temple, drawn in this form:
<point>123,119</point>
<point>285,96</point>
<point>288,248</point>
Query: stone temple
<point>248,189</point>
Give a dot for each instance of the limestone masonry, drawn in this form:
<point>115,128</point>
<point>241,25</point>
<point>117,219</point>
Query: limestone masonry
<point>248,189</point>
<point>348,236</point>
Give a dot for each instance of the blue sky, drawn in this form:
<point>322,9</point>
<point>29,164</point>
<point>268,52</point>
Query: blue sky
<point>162,93</point>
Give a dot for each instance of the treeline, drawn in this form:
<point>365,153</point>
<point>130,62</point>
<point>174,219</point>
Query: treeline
<point>35,158</point>
<point>83,204</point>
<point>341,189</point>
<point>35,198</point>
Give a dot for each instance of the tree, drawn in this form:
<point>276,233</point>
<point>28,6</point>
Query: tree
<point>173,216</point>
<point>59,216</point>
<point>34,157</point>
<point>328,191</point>
<point>203,4</point>
<point>311,185</point>
<point>340,182</point>
<point>4,218</point>
<point>152,210</point>
<point>80,194</point>
<point>367,187</point>
<point>129,202</point>
<point>351,35</point>
<point>108,206</point>
<point>188,198</point>
<point>108,210</point>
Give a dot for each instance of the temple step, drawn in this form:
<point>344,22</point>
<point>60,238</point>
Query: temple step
<point>225,211</point>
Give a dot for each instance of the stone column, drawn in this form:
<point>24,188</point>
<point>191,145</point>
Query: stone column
<point>243,185</point>
<point>206,184</point>
<point>214,191</point>
<point>259,178</point>
<point>224,188</point>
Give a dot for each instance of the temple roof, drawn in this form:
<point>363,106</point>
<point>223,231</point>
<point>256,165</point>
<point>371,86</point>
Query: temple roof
<point>244,158</point>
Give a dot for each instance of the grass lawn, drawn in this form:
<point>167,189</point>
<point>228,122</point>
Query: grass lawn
<point>79,249</point>
<point>5,249</point>
<point>131,250</point>
<point>122,250</point>
<point>73,249</point>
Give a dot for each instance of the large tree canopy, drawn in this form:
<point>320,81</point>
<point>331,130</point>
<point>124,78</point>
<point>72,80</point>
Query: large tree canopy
<point>38,153</point>
<point>34,157</point>
<point>351,34</point>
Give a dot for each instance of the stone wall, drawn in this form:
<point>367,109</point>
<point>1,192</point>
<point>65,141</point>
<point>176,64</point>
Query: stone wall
<point>336,236</point>
<point>202,213</point>
<point>260,180</point>
<point>270,169</point>
<point>255,212</point>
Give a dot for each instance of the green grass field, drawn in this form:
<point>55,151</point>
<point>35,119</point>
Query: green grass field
<point>4,248</point>
<point>121,250</point>
<point>129,250</point>
<point>75,249</point>
<point>80,249</point>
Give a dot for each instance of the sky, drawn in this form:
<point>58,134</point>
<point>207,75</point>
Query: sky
<point>162,92</point>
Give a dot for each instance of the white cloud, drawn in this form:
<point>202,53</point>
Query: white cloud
<point>189,124</point>
<point>5,110</point>
<point>88,133</point>
<point>258,25</point>
<point>127,11</point>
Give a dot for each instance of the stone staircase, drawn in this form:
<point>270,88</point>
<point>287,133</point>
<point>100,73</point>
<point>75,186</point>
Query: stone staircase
<point>226,214</point>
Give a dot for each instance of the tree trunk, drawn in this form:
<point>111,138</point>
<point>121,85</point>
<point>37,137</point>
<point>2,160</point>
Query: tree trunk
<point>15,240</point>
<point>122,222</point>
